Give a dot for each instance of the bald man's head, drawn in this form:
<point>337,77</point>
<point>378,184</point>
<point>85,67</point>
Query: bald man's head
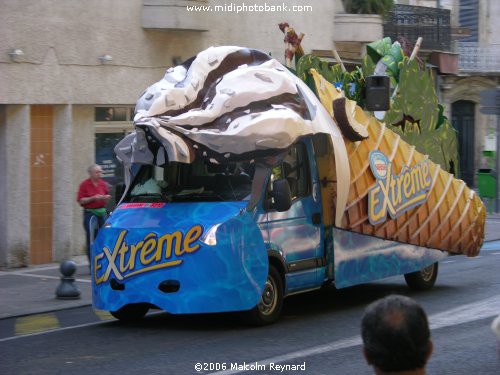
<point>396,334</point>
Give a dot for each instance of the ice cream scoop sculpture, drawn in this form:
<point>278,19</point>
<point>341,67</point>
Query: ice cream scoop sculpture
<point>228,103</point>
<point>233,102</point>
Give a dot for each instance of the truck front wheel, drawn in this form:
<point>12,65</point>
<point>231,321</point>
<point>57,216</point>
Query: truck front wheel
<point>131,313</point>
<point>423,279</point>
<point>269,307</point>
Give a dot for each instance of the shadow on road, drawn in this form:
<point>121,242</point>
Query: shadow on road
<point>307,306</point>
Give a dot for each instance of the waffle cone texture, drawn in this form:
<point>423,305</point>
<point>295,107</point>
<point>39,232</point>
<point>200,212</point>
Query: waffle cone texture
<point>452,216</point>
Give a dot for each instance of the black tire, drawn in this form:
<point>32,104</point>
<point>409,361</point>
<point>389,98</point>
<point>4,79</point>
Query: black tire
<point>268,310</point>
<point>131,313</point>
<point>423,279</point>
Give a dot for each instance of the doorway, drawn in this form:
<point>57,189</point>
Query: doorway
<point>41,174</point>
<point>463,121</point>
<point>112,168</point>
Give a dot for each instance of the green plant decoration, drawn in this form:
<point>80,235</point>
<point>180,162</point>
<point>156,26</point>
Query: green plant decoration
<point>352,83</point>
<point>415,113</point>
<point>368,6</point>
<point>417,116</point>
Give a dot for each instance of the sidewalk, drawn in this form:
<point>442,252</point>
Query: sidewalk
<point>31,290</point>
<point>492,227</point>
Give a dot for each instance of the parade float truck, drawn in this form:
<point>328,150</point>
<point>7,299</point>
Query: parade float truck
<point>247,182</point>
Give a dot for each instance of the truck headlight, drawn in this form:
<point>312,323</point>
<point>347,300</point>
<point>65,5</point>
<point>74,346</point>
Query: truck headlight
<point>210,238</point>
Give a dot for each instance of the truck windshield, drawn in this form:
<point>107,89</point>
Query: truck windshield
<point>195,182</point>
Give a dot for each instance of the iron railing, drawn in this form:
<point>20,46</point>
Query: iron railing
<point>476,58</point>
<point>410,22</point>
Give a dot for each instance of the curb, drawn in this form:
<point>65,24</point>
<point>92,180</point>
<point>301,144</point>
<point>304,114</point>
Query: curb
<point>45,311</point>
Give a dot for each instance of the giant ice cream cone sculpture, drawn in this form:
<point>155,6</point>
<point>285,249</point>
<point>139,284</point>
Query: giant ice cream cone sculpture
<point>396,192</point>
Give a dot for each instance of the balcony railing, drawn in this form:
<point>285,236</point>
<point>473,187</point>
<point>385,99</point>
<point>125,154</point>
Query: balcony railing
<point>475,58</point>
<point>410,22</point>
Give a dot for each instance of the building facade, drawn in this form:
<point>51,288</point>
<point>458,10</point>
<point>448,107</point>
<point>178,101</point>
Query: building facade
<point>478,70</point>
<point>70,74</point>
<point>71,71</point>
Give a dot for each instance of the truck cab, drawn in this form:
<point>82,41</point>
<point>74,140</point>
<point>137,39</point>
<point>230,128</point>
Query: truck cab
<point>202,237</point>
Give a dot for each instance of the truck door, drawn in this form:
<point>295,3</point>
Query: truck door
<point>297,233</point>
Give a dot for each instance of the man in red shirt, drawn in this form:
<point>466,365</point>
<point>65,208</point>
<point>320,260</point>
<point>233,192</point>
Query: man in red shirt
<point>93,194</point>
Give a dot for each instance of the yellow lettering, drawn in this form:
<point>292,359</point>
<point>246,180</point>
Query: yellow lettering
<point>122,252</point>
<point>407,185</point>
<point>399,197</point>
<point>133,251</point>
<point>427,174</point>
<point>148,248</point>
<point>97,267</point>
<point>387,203</point>
<point>393,190</point>
<point>373,214</point>
<point>415,186</point>
<point>398,193</point>
<point>120,242</point>
<point>169,239</point>
<point>191,236</point>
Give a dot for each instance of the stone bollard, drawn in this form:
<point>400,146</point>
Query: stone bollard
<point>67,288</point>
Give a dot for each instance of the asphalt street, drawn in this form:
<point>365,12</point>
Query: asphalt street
<point>319,329</point>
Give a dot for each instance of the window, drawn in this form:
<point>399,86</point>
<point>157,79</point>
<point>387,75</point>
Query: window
<point>469,17</point>
<point>295,169</point>
<point>113,114</point>
<point>200,181</point>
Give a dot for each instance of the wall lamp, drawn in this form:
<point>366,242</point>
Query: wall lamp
<point>15,54</point>
<point>105,59</point>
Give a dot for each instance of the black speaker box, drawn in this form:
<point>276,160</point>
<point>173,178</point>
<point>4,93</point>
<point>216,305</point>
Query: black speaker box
<point>377,93</point>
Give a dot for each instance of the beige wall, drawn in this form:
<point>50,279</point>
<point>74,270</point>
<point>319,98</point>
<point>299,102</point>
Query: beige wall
<point>15,185</point>
<point>63,188</point>
<point>491,20</point>
<point>62,41</point>
<point>260,30</point>
<point>3,185</point>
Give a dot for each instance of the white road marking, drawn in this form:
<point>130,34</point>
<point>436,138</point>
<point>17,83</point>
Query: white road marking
<point>46,276</point>
<point>70,327</point>
<point>449,261</point>
<point>330,347</point>
<point>50,331</point>
<point>466,313</point>
<point>458,315</point>
<point>20,272</point>
<point>39,268</point>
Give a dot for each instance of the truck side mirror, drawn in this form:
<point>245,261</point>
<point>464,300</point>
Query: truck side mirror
<point>119,191</point>
<point>281,195</point>
<point>377,93</point>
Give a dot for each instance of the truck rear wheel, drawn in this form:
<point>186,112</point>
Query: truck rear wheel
<point>423,279</point>
<point>131,313</point>
<point>268,310</point>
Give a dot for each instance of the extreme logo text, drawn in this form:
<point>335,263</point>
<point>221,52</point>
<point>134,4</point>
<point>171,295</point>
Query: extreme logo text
<point>152,252</point>
<point>396,194</point>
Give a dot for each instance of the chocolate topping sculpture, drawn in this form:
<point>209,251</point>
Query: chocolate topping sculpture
<point>229,103</point>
